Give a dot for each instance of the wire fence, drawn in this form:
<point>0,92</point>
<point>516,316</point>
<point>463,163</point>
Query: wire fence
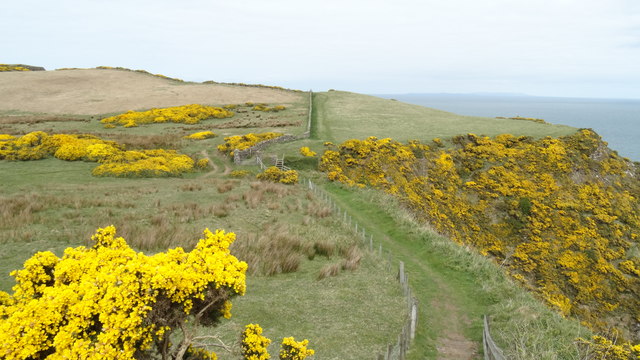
<point>397,350</point>
<point>491,350</point>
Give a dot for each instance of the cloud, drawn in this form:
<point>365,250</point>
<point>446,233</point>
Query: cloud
<point>358,44</point>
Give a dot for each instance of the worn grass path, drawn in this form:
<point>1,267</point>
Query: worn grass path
<point>450,305</point>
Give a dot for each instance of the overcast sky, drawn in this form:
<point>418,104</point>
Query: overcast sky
<point>575,48</point>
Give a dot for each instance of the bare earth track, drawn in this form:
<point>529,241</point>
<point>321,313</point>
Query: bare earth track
<point>99,91</point>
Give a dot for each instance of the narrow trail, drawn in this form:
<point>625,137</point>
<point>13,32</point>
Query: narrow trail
<point>449,324</point>
<point>445,317</point>
<point>214,167</point>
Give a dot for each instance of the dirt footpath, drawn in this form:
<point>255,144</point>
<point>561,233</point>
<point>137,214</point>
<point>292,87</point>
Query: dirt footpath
<point>94,91</point>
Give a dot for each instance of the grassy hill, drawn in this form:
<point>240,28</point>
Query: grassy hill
<point>51,204</point>
<point>343,115</point>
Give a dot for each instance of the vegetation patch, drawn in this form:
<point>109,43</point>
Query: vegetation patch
<point>201,135</point>
<point>242,142</point>
<point>187,114</point>
<point>275,174</point>
<point>6,67</point>
<point>559,214</point>
<point>113,159</point>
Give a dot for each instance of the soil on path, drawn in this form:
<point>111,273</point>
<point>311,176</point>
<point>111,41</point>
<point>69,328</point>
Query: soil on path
<point>214,167</point>
<point>442,309</point>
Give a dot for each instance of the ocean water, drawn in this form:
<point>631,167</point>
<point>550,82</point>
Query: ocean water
<point>616,120</point>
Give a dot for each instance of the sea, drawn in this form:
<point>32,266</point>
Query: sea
<point>617,121</point>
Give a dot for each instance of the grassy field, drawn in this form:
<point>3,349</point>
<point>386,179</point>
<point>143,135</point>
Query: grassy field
<point>51,204</point>
<point>456,286</point>
<point>289,237</point>
<point>343,115</point>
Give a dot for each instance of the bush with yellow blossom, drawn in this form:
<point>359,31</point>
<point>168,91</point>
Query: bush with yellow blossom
<point>108,301</point>
<point>275,174</point>
<point>305,151</point>
<point>111,302</point>
<point>562,215</point>
<point>241,142</point>
<point>186,114</point>
<point>114,160</point>
<point>201,135</point>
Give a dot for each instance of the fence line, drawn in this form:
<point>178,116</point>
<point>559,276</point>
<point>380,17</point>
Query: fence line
<point>398,350</point>
<point>491,350</point>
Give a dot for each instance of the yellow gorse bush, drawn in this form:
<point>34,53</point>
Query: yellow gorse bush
<point>5,67</point>
<point>562,215</point>
<point>201,135</point>
<point>186,114</point>
<point>305,151</point>
<point>266,108</point>
<point>294,350</point>
<point>111,302</point>
<point>113,159</point>
<point>254,345</point>
<point>274,174</point>
<point>241,142</point>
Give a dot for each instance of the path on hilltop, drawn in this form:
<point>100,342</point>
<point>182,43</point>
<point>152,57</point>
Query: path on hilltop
<point>450,304</point>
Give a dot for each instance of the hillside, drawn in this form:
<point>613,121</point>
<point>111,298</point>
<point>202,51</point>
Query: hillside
<point>292,237</point>
<point>47,204</point>
<point>102,91</point>
<point>343,116</point>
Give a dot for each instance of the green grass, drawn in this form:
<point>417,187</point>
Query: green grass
<point>343,115</point>
<point>52,204</point>
<point>351,316</point>
<point>442,271</point>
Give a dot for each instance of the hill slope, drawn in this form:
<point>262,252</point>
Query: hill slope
<point>101,91</point>
<point>343,116</point>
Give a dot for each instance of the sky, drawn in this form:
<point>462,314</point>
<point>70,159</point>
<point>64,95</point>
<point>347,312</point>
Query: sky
<point>567,48</point>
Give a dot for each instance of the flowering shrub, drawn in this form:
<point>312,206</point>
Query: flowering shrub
<point>294,350</point>
<point>113,159</point>
<point>202,163</point>
<point>5,67</point>
<point>265,108</point>
<point>603,348</point>
<point>6,137</point>
<point>201,135</point>
<point>187,114</point>
<point>274,174</point>
<point>562,215</point>
<point>239,173</point>
<point>305,151</point>
<point>111,302</point>
<point>254,345</point>
<point>242,142</point>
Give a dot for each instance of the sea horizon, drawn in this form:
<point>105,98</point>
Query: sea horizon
<point>616,120</point>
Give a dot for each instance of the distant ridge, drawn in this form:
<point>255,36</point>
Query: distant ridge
<point>30,67</point>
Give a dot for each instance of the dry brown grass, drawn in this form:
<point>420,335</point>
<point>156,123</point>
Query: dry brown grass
<point>75,92</point>
<point>131,141</point>
<point>275,249</point>
<point>37,119</point>
<point>352,257</point>
<point>227,186</point>
<point>261,190</point>
<point>318,210</point>
<point>329,270</point>
<point>191,187</point>
<point>324,248</point>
